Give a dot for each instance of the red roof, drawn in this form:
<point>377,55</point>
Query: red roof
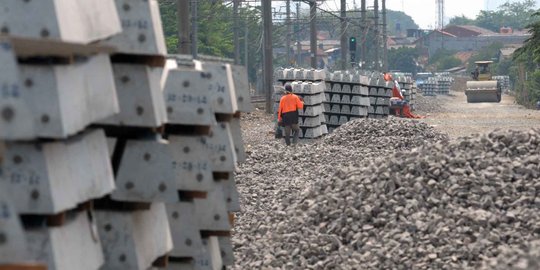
<point>467,30</point>
<point>464,56</point>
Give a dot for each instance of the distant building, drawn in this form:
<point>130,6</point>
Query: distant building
<point>467,38</point>
<point>468,31</point>
<point>508,51</point>
<point>400,42</point>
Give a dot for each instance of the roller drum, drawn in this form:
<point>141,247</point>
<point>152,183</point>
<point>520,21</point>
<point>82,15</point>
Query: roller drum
<point>483,91</point>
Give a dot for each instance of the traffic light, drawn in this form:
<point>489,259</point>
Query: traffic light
<point>352,49</point>
<point>352,44</point>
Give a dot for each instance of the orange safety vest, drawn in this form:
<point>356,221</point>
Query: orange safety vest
<point>289,103</point>
<point>387,77</point>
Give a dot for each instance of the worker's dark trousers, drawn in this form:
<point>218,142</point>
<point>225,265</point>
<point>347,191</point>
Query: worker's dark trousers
<point>296,129</point>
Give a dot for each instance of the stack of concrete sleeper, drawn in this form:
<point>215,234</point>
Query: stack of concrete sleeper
<point>347,98</point>
<point>406,83</point>
<point>55,83</point>
<point>430,87</point>
<point>444,82</point>
<point>109,162</point>
<point>132,222</point>
<point>380,92</point>
<point>308,84</point>
<point>204,127</point>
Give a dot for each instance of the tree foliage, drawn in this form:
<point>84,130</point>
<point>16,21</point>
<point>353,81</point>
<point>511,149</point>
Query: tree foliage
<point>448,62</point>
<point>461,20</point>
<point>510,14</point>
<point>403,59</point>
<point>215,31</point>
<point>443,59</point>
<point>398,17</point>
<point>532,44</point>
<point>485,54</point>
<point>439,55</point>
<point>525,61</point>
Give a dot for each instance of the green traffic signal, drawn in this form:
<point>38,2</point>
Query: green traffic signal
<point>352,44</point>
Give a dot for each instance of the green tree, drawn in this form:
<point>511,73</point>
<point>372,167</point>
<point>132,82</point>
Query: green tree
<point>532,44</point>
<point>398,17</point>
<point>167,9</point>
<point>443,59</point>
<point>485,54</point>
<point>215,31</point>
<point>448,62</point>
<point>439,55</point>
<point>461,20</point>
<point>511,14</point>
<point>525,61</point>
<point>403,59</point>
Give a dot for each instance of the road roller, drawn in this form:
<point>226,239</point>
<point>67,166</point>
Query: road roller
<point>483,88</point>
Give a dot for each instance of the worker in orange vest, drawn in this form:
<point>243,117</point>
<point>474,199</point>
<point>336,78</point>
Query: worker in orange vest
<point>288,114</point>
<point>387,77</point>
<point>402,106</point>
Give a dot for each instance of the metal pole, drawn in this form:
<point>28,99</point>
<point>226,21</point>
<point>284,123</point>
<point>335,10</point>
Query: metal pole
<point>344,35</point>
<point>363,33</point>
<point>377,34</point>
<point>246,44</point>
<point>184,41</point>
<point>313,32</point>
<point>236,33</point>
<point>298,43</point>
<point>288,38</point>
<point>194,28</point>
<point>268,69</point>
<point>385,36</point>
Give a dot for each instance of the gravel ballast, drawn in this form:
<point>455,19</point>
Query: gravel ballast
<point>274,176</point>
<point>445,205</point>
<point>391,194</point>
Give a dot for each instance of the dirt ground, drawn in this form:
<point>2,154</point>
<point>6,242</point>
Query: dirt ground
<point>449,114</point>
<point>459,118</point>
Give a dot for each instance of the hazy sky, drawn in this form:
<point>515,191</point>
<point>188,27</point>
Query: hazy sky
<point>424,11</point>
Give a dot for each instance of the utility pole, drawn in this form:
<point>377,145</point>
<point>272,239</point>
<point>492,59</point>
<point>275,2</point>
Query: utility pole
<point>288,38</point>
<point>184,40</point>
<point>236,34</point>
<point>194,28</point>
<point>377,34</point>
<point>313,32</point>
<point>344,35</point>
<point>385,36</point>
<point>298,43</point>
<point>246,44</point>
<point>268,69</point>
<point>363,33</point>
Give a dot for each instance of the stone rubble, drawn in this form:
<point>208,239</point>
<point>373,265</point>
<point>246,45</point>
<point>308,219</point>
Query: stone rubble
<point>524,256</point>
<point>391,194</point>
<point>274,175</point>
<point>429,104</point>
<point>444,205</point>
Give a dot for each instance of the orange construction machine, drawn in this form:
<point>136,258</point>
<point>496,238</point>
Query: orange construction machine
<point>398,105</point>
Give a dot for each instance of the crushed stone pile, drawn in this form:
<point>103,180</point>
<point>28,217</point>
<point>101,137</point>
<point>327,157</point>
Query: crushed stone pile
<point>429,104</point>
<point>274,176</point>
<point>392,134</point>
<point>444,205</point>
<point>257,126</point>
<point>525,256</point>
